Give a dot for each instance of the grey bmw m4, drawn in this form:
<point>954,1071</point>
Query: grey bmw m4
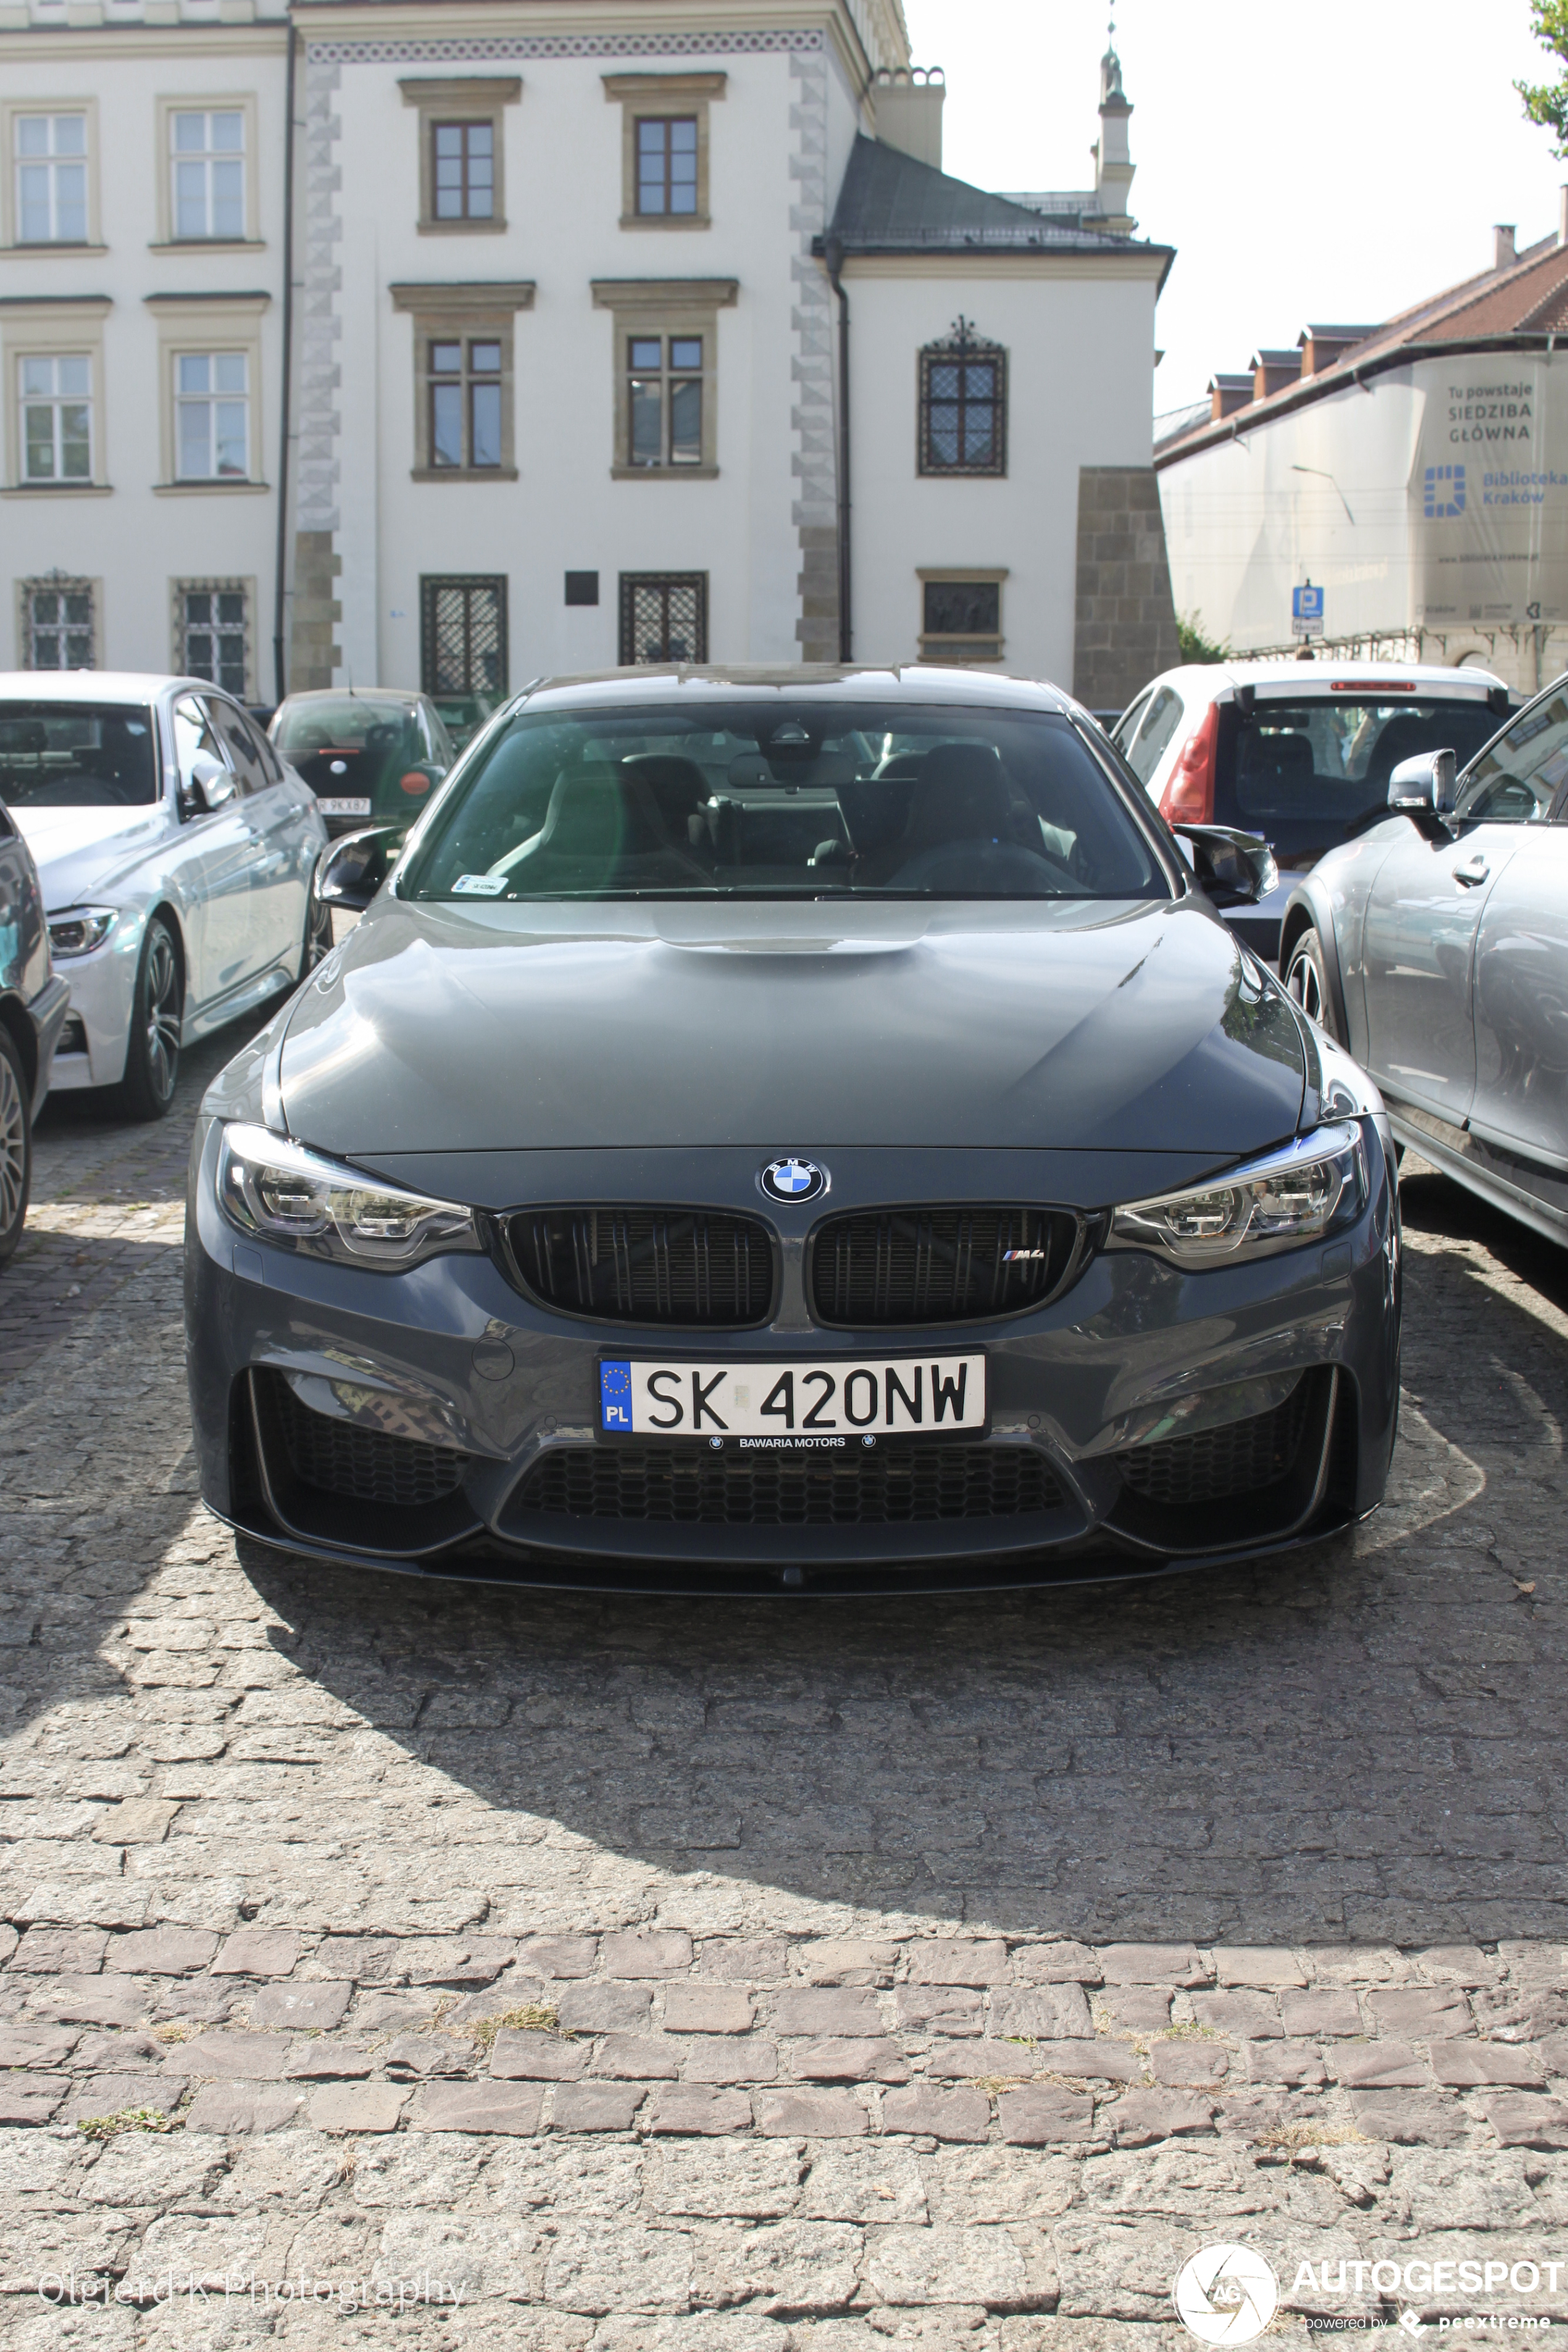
<point>791,1131</point>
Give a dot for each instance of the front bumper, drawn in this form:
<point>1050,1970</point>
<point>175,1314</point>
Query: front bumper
<point>440,1423</point>
<point>46,1012</point>
<point>103,992</point>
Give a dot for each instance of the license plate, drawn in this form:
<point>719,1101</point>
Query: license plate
<point>342,808</point>
<point>793,1406</point>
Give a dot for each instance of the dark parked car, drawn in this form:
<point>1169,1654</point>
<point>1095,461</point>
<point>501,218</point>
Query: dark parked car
<point>368,752</point>
<point>767,1134</point>
<point>1436,947</point>
<point>33,1002</point>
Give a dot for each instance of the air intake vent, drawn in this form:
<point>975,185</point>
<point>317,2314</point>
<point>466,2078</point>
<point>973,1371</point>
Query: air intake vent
<point>695,1268</point>
<point>896,1486</point>
<point>895,1267</point>
<point>1238,1458</point>
<point>343,1457</point>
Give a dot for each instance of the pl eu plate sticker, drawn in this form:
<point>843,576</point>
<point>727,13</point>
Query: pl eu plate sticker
<point>479,886</point>
<point>615,1395</point>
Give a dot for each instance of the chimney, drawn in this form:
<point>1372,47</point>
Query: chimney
<point>907,103</point>
<point>1562,215</point>
<point>1504,256</point>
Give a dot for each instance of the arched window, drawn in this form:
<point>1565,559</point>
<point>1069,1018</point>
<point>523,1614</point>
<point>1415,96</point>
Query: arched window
<point>963,405</point>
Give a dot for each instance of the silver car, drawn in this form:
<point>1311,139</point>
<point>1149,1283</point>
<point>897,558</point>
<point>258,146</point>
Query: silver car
<point>177,852</point>
<point>1436,947</point>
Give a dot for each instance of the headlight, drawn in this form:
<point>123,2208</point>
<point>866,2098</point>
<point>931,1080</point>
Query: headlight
<point>79,931</point>
<point>286,1195</point>
<point>1297,1195</point>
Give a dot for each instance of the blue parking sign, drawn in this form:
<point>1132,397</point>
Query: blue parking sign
<point>1307,610</point>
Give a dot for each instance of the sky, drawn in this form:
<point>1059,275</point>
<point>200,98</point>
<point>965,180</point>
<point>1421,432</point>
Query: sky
<point>1335,160</point>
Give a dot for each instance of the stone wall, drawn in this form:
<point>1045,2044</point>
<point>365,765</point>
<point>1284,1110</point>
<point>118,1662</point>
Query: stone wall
<point>314,653</point>
<point>1125,623</point>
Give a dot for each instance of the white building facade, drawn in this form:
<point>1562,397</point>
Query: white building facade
<point>562,335</point>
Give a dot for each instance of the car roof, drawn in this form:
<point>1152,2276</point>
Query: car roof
<point>1302,680</point>
<point>692,684</point>
<point>401,695</point>
<point>97,685</point>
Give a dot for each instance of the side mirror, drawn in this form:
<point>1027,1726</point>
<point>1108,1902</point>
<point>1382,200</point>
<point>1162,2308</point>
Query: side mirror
<point>207,785</point>
<point>1233,869</point>
<point>1426,782</point>
<point>353,870</point>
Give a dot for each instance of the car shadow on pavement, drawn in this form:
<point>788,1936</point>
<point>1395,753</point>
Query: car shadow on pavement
<point>1359,1742</point>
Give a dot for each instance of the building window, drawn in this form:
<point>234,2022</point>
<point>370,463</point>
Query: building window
<point>664,146</point>
<point>664,400</point>
<point>57,630</point>
<point>963,405</point>
<point>464,633</point>
<point>465,401</point>
<point>961,616</point>
<point>207,165</point>
<point>463,168</point>
<point>665,349</point>
<point>211,632</point>
<point>51,178</point>
<point>211,417</point>
<point>462,151</point>
<point>664,617</point>
<point>56,417</point>
<point>667,165</point>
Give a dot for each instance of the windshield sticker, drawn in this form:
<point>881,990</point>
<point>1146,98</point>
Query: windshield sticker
<point>479,886</point>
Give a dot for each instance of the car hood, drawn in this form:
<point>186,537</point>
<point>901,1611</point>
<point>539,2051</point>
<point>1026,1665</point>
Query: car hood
<point>443,1028</point>
<point>75,850</point>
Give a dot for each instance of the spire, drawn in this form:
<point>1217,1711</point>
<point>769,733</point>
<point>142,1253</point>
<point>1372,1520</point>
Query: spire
<point>1114,168</point>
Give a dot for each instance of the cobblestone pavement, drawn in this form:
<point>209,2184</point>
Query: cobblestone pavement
<point>787,1979</point>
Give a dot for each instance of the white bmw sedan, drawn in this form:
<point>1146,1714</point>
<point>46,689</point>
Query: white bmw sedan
<point>176,851</point>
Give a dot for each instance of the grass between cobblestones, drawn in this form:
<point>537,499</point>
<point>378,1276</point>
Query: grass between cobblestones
<point>472,1968</point>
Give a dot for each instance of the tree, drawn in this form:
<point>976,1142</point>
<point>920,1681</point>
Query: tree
<point>1197,647</point>
<point>1547,102</point>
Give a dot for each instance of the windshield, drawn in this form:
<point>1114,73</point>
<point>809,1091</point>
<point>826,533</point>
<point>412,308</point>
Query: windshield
<point>1523,775</point>
<point>782,799</point>
<point>1309,774</point>
<point>350,725</point>
<point>77,755</point>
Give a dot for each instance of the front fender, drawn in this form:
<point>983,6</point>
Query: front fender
<point>1311,907</point>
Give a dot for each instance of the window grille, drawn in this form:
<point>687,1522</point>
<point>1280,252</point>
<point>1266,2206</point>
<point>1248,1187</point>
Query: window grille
<point>465,401</point>
<point>963,620</point>
<point>211,632</point>
<point>51,179</point>
<point>463,170</point>
<point>667,165</point>
<point>56,417</point>
<point>57,624</point>
<point>664,400</point>
<point>211,417</point>
<point>464,632</point>
<point>963,405</point>
<point>208,165</point>
<point>664,617</point>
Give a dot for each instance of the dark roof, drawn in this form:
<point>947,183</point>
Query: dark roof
<point>891,203</point>
<point>1520,305</point>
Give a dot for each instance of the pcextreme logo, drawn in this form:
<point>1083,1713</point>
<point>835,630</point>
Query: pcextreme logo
<point>1226,2294</point>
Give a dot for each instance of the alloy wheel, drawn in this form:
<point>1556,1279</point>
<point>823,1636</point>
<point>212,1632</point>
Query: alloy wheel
<point>1303,984</point>
<point>13,1145</point>
<point>163,1015</point>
